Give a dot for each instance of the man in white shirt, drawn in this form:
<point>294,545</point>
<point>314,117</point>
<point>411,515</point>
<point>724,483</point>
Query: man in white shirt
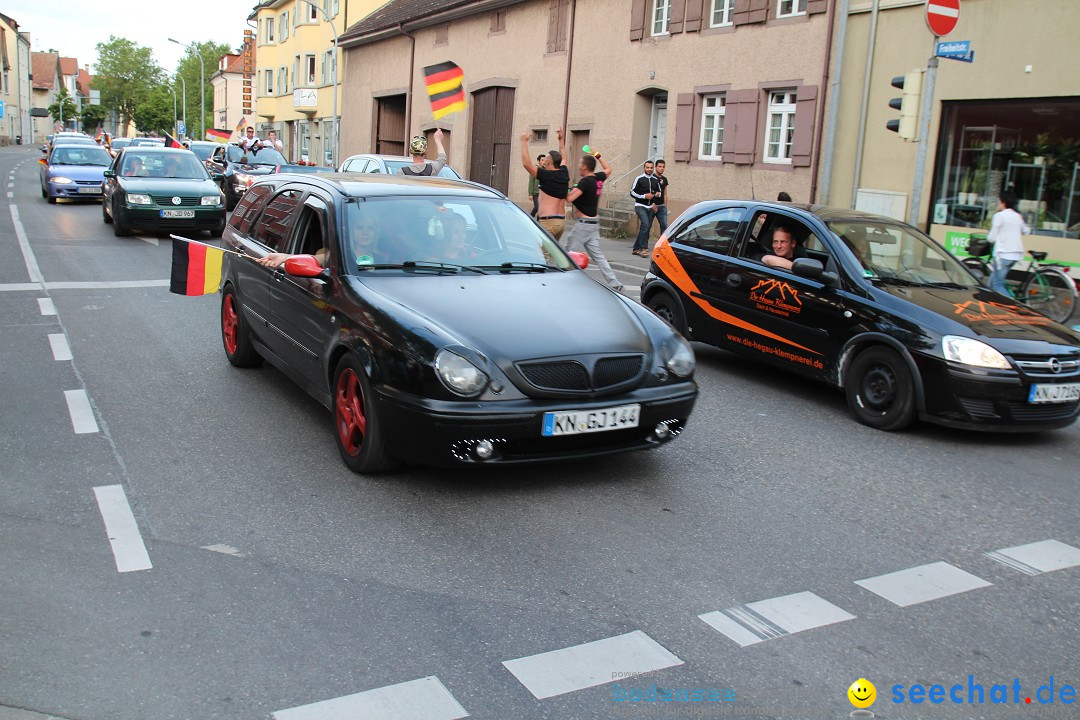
<point>272,141</point>
<point>1006,232</point>
<point>250,140</point>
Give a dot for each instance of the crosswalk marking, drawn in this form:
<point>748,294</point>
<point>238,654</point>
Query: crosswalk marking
<point>423,699</point>
<point>594,663</point>
<point>1038,557</point>
<point>766,619</point>
<point>922,584</point>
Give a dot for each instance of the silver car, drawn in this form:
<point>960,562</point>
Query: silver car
<point>386,164</point>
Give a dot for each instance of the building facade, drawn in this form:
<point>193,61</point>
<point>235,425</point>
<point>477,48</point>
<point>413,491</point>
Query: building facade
<point>625,77</point>
<point>46,84</point>
<point>228,84</point>
<point>14,82</point>
<point>1010,119</point>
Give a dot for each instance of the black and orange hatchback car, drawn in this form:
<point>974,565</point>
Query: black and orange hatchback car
<point>870,305</point>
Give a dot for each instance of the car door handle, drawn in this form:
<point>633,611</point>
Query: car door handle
<point>733,280</point>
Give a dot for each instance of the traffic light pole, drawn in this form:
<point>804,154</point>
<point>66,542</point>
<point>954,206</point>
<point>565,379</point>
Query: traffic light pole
<point>924,133</point>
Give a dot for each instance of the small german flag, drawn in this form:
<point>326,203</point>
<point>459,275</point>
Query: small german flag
<point>171,142</point>
<point>444,88</point>
<point>196,268</point>
<point>221,136</point>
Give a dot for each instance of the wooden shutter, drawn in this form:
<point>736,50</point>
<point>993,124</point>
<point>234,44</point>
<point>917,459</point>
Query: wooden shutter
<point>813,7</point>
<point>692,21</point>
<point>740,126</point>
<point>750,11</point>
<point>802,143</point>
<point>553,27</point>
<point>675,20</point>
<point>564,24</point>
<point>637,19</point>
<point>684,127</point>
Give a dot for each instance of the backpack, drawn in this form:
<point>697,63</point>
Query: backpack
<point>426,172</point>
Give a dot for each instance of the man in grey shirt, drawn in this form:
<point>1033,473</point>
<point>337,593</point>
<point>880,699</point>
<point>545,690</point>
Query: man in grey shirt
<point>421,166</point>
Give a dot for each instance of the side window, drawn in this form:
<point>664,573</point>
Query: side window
<point>764,229</point>
<point>310,236</point>
<point>714,232</point>
<point>248,208</point>
<point>272,228</point>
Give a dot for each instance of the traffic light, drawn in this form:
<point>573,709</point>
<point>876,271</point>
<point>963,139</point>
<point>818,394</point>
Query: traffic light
<point>907,125</point>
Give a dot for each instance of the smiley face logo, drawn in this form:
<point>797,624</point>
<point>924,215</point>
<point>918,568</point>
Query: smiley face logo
<point>862,693</point>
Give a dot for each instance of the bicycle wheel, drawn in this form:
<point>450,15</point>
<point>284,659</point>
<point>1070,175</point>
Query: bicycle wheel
<point>1050,292</point>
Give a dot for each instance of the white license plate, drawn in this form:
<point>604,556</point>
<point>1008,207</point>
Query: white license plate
<point>1058,393</point>
<point>578,422</point>
<point>177,213</point>
<point>90,190</point>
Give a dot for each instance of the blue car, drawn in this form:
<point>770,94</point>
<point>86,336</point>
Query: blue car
<point>74,172</point>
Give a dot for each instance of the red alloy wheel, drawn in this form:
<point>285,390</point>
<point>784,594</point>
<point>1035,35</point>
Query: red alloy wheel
<point>229,324</point>
<point>349,408</point>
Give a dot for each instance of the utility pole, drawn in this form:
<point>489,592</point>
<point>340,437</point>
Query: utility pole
<point>924,132</point>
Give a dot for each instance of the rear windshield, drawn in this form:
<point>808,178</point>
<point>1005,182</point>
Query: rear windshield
<point>392,166</point>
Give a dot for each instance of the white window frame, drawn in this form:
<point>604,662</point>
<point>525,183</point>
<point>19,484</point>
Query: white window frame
<point>312,13</point>
<point>660,17</point>
<point>725,8</point>
<point>283,26</point>
<point>780,115</point>
<point>328,131</point>
<point>270,31</point>
<point>268,77</point>
<point>717,113</point>
<point>322,70</point>
<point>336,5</point>
<point>309,68</point>
<point>796,8</point>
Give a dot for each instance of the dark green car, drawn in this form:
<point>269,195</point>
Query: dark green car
<point>161,189</point>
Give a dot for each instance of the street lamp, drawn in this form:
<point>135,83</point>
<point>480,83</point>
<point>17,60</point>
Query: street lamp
<point>183,82</point>
<point>337,80</point>
<point>202,91</point>
<point>173,91</point>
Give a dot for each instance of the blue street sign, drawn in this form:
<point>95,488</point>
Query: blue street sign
<point>1,108</point>
<point>181,128</point>
<point>956,50</point>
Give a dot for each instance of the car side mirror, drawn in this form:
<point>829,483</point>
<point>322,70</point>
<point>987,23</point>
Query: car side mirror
<point>813,269</point>
<point>305,266</point>
<point>580,259</point>
<point>108,174</point>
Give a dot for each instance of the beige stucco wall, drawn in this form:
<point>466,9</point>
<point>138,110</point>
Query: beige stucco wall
<point>228,99</point>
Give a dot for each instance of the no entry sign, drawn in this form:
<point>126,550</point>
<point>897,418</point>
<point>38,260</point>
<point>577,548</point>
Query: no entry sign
<point>941,15</point>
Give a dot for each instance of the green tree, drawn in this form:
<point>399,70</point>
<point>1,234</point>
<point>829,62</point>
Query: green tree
<point>64,110</point>
<point>155,114</point>
<point>126,73</point>
<point>93,116</point>
<point>188,68</point>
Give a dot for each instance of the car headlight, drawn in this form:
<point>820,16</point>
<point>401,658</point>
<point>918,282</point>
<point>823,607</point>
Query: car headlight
<point>460,375</point>
<point>211,200</point>
<point>61,180</point>
<point>679,356</point>
<point>972,352</point>
<point>138,199</point>
<point>244,179</point>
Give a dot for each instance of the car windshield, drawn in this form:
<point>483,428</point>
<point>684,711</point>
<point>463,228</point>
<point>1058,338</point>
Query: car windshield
<point>894,253</point>
<point>163,165</point>
<point>260,156</point>
<point>393,166</point>
<point>203,151</point>
<point>80,155</point>
<point>449,234</point>
<point>120,142</point>
<point>147,142</point>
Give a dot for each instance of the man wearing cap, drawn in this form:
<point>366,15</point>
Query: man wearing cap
<point>418,148</point>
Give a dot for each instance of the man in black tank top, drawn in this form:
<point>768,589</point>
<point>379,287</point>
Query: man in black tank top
<point>421,166</point>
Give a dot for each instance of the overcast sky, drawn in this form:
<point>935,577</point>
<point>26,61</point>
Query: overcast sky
<point>75,27</point>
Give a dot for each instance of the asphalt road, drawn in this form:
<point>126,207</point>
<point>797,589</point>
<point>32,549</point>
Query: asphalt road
<point>277,579</point>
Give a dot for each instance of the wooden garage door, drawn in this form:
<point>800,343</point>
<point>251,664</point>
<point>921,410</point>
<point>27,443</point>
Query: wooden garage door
<point>492,137</point>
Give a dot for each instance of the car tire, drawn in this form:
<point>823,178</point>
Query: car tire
<point>44,192</point>
<point>105,216</point>
<point>880,390</point>
<point>118,227</point>
<point>230,204</point>
<point>356,420</point>
<point>668,308</point>
<point>218,230</point>
<point>50,199</point>
<point>235,336</point>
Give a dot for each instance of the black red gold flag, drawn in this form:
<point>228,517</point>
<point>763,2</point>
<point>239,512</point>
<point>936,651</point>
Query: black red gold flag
<point>445,88</point>
<point>172,142</point>
<point>196,268</point>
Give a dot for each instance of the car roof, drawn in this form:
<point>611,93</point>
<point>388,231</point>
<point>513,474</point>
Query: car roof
<point>155,150</point>
<point>375,185</point>
<point>406,158</point>
<point>825,213</point>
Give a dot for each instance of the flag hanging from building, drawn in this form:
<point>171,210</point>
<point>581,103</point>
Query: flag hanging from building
<point>221,136</point>
<point>171,142</point>
<point>196,268</point>
<point>444,87</point>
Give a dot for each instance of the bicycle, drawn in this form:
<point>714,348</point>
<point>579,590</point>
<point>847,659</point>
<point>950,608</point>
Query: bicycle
<point>1044,287</point>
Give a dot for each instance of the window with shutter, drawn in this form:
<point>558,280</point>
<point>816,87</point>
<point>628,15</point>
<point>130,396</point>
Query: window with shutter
<point>684,127</point>
<point>747,12</point>
<point>637,19</point>
<point>790,8</point>
<point>721,12</point>
<point>802,144</point>
<point>813,7</point>
<point>558,22</point>
<point>779,127</point>
<point>675,19</point>
<point>712,126</point>
<point>692,19</point>
<point>660,17</point>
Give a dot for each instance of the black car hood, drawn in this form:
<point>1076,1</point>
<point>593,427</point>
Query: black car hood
<point>519,316</point>
<point>994,317</point>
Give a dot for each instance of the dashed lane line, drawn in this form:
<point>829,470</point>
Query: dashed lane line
<point>60,348</point>
<point>922,584</point>
<point>423,699</point>
<point>32,268</point>
<point>1038,557</point>
<point>127,544</point>
<point>46,306</point>
<point>82,415</point>
<point>767,619</point>
<point>84,285</point>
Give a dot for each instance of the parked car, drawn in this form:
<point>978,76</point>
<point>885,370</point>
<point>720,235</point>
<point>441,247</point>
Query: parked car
<point>387,164</point>
<point>158,189</point>
<point>73,171</point>
<point>237,169</point>
<point>441,325</point>
<point>870,305</point>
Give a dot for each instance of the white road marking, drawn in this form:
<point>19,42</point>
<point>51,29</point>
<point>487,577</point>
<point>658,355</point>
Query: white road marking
<point>10,194</point>
<point>121,528</point>
<point>583,666</point>
<point>60,348</point>
<point>11,185</point>
<point>82,415</point>
<point>423,699</point>
<point>1038,557</point>
<point>32,268</point>
<point>224,550</point>
<point>766,619</point>
<point>151,240</point>
<point>105,284</point>
<point>47,306</point>
<point>9,287</point>
<point>922,584</point>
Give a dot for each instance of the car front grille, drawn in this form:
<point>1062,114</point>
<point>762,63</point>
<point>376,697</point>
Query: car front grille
<point>614,370</point>
<point>986,409</point>
<point>88,182</point>
<point>568,375</point>
<point>576,376</point>
<point>167,201</point>
<point>979,408</point>
<point>1044,365</point>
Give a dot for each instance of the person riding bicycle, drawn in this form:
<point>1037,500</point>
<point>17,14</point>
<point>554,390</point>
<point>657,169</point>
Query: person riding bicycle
<point>1006,233</point>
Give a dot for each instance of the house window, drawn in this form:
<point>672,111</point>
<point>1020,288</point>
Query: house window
<point>540,135</point>
<point>442,34</point>
<point>281,81</point>
<point>789,8</point>
<point>712,126</point>
<point>309,70</point>
<point>331,68</point>
<point>558,22</point>
<point>269,76</point>
<point>660,16</point>
<point>498,21</point>
<point>283,24</point>
<point>721,13</point>
<point>269,30</point>
<point>781,126</point>
<point>335,5</point>
<point>305,140</point>
<point>322,70</point>
<point>328,142</point>
<point>313,13</point>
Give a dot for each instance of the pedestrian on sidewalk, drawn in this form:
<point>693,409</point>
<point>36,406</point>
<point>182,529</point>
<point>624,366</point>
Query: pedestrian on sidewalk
<point>585,228</point>
<point>661,207</point>
<point>1007,230</point>
<point>646,192</point>
<point>554,182</point>
<point>534,186</point>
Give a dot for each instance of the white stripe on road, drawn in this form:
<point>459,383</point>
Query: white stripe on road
<point>47,306</point>
<point>423,699</point>
<point>10,194</point>
<point>9,287</point>
<point>922,584</point>
<point>766,619</point>
<point>151,240</point>
<point>121,528</point>
<point>583,666</point>
<point>1038,557</point>
<point>942,10</point>
<point>82,415</point>
<point>32,268</point>
<point>105,284</point>
<point>60,348</point>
